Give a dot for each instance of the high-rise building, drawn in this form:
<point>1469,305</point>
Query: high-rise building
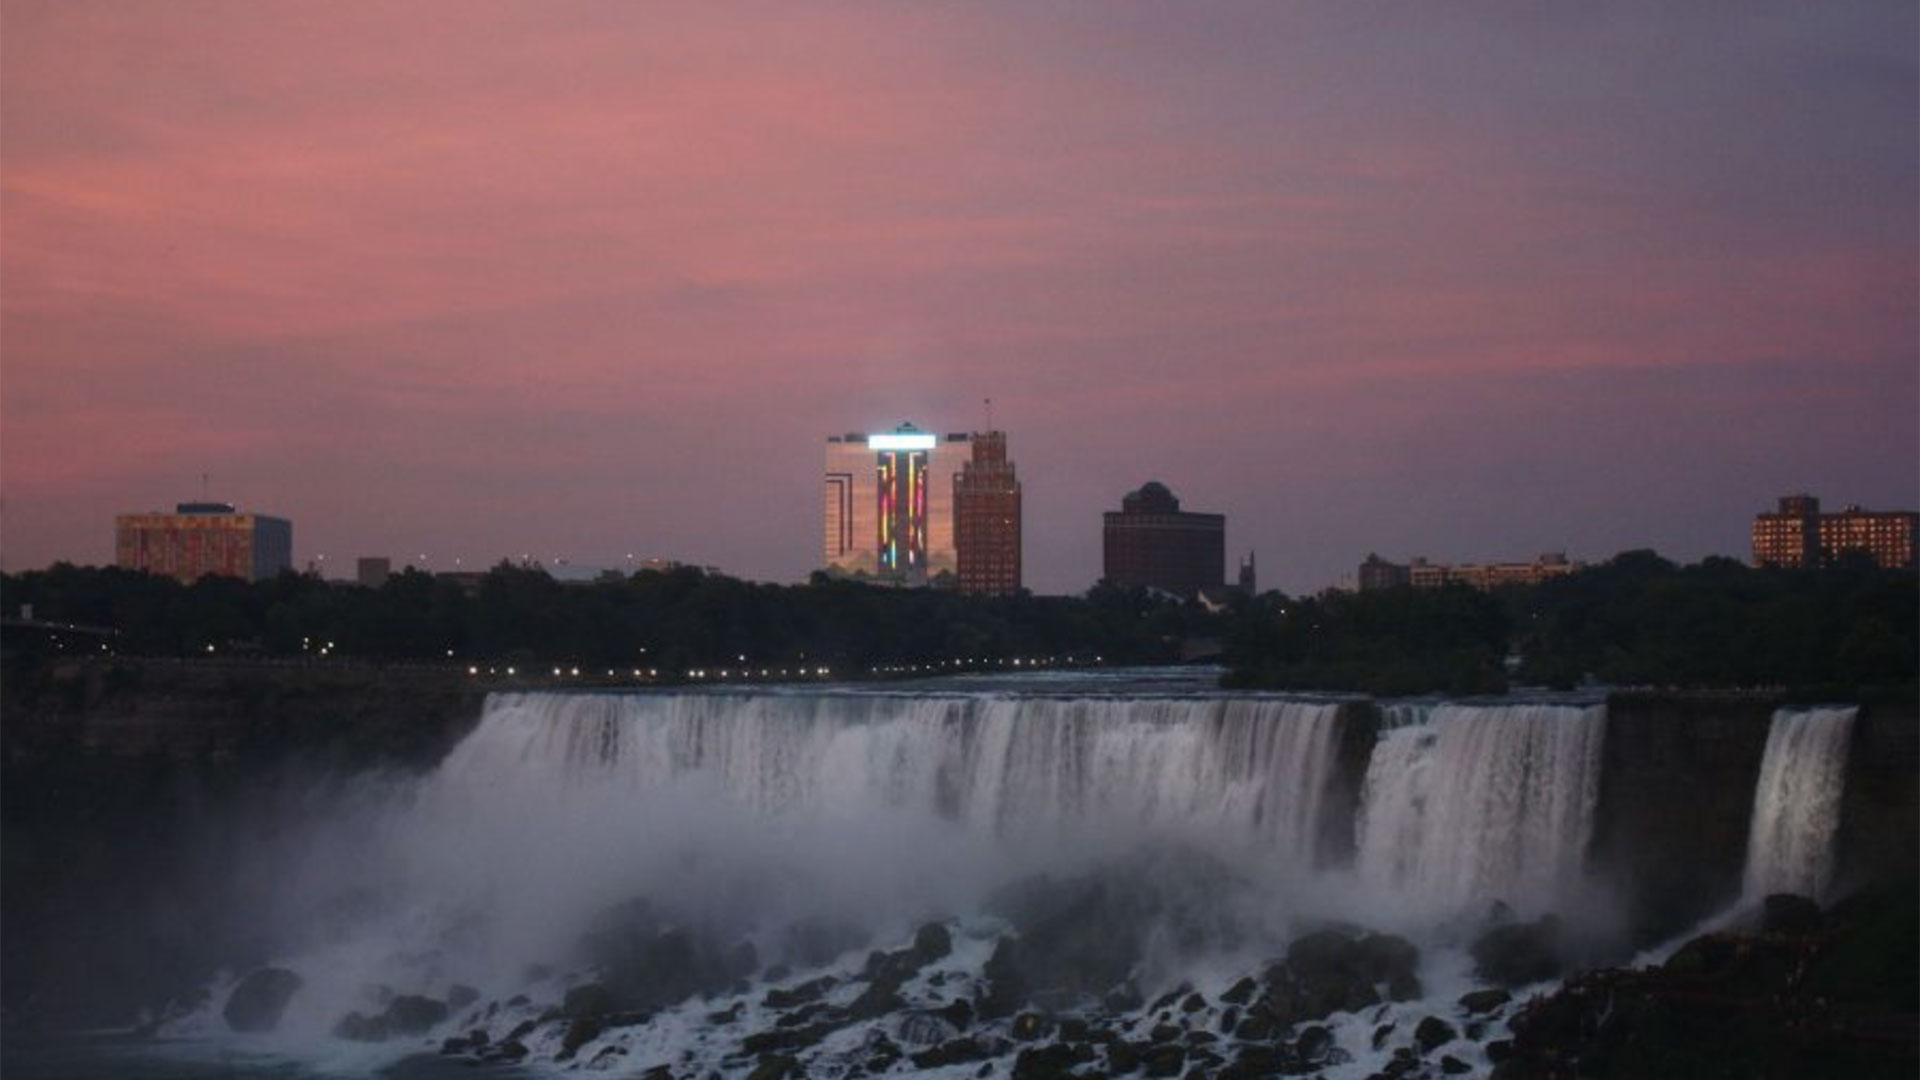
<point>1151,543</point>
<point>986,519</point>
<point>888,504</point>
<point>204,538</point>
<point>1799,535</point>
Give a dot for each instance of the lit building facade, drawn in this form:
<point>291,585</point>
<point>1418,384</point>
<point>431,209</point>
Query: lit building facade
<point>1378,573</point>
<point>1151,543</point>
<point>1798,535</point>
<point>986,519</point>
<point>198,539</point>
<point>887,504</point>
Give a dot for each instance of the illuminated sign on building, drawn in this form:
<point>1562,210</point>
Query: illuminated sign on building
<point>902,476</point>
<point>897,440</point>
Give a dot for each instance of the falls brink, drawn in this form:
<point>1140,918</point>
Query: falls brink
<point>1255,771</point>
<point>1473,804</point>
<point>1796,802</point>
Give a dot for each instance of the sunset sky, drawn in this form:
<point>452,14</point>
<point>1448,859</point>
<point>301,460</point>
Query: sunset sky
<point>587,279</point>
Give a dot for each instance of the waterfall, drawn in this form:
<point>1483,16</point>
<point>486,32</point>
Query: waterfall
<point>1482,803</point>
<point>1254,770</point>
<point>1796,803</point>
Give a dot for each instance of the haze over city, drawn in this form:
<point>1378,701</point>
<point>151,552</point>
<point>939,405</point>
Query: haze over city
<point>583,280</point>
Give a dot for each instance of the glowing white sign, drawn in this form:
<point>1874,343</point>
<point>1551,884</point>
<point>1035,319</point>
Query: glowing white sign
<point>899,441</point>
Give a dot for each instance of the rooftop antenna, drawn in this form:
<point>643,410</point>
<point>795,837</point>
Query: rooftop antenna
<point>203,488</point>
<point>989,414</point>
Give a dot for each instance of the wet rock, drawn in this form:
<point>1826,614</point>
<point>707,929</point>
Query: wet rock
<point>775,1067</point>
<point>932,942</point>
<point>579,1033</point>
<point>1165,1060</point>
<point>471,1043</point>
<point>1193,1003</point>
<point>1241,992</point>
<point>781,1040</point>
<point>411,1014</point>
<point>658,1072</point>
<point>1075,1029</point>
<point>1167,1000</point>
<point>926,1029</point>
<point>1162,1033</point>
<point>1122,1058</point>
<point>1381,1034</point>
<point>959,1013</point>
<point>355,1027</point>
<point>1432,1033</point>
<point>1055,1062</point>
<point>257,1003</point>
<point>1029,1027</point>
<point>1229,1019</point>
<point>1255,1026</point>
<point>1480,1002</point>
<point>1516,954</point>
<point>510,1050</point>
<point>1786,913</point>
<point>1453,1066</point>
<point>1313,1044</point>
<point>811,990</point>
<point>727,1015</point>
<point>878,999</point>
<point>1499,1050</point>
<point>521,1030</point>
<point>606,1057</point>
<point>591,999</point>
<point>953,1052</point>
<point>1334,970</point>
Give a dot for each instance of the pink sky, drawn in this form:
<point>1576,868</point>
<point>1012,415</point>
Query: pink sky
<point>589,279</point>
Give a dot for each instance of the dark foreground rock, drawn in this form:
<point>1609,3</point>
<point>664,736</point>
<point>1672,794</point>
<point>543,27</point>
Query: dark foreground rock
<point>1841,1001</point>
<point>257,1003</point>
<point>1335,970</point>
<point>1515,954</point>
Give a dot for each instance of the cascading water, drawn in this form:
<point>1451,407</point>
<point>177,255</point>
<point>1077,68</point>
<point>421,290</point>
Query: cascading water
<point>1482,803</point>
<point>1796,802</point>
<point>1251,769</point>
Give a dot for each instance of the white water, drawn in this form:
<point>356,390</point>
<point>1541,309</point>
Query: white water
<point>1796,802</point>
<point>744,813</point>
<point>1483,803</point>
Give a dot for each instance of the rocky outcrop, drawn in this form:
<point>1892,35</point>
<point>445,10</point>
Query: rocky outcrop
<point>1842,999</point>
<point>1676,802</point>
<point>258,1001</point>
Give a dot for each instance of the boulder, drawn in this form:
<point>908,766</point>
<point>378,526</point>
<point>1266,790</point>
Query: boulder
<point>953,1052</point>
<point>257,1003</point>
<point>932,942</point>
<point>411,1014</point>
<point>1241,992</point>
<point>1432,1033</point>
<point>1478,1002</point>
<point>1515,954</point>
<point>1335,970</point>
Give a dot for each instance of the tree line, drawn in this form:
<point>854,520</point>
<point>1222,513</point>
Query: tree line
<point>1635,620</point>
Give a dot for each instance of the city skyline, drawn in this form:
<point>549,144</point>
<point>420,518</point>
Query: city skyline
<point>588,281</point>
